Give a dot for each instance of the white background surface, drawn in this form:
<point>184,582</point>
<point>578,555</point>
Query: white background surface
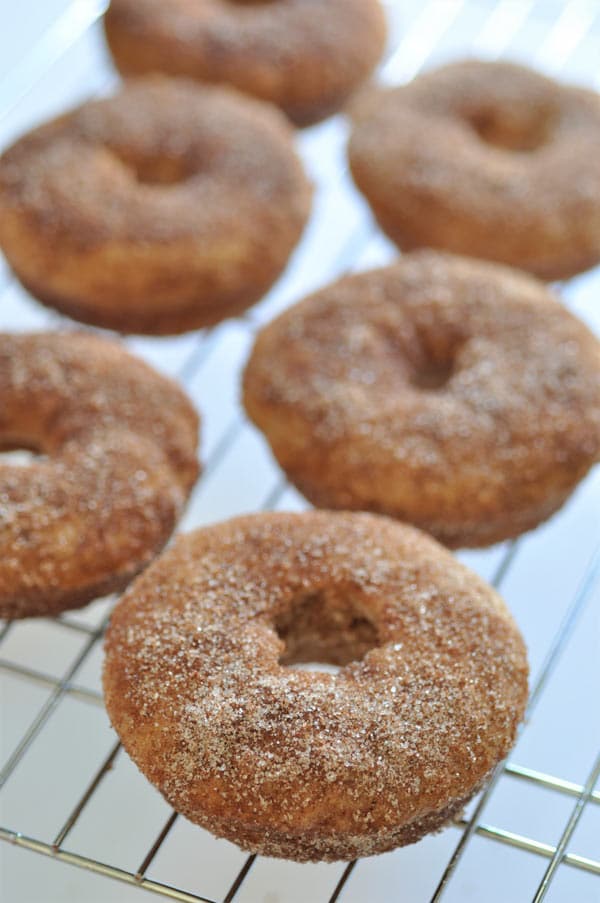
<point>125,815</point>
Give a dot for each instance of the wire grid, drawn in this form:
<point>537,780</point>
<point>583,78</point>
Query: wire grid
<point>499,26</point>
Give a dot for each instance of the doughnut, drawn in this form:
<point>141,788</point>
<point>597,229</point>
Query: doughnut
<point>202,685</point>
<point>485,159</point>
<point>305,56</point>
<point>116,459</point>
<point>454,394</point>
<point>162,209</point>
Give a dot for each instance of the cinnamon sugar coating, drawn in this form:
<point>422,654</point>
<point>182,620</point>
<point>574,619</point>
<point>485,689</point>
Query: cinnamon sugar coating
<point>200,682</point>
<point>454,394</point>
<point>117,445</point>
<point>487,159</point>
<point>305,56</point>
<point>167,207</point>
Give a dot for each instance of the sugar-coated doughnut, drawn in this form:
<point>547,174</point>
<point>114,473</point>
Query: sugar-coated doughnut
<point>487,159</point>
<point>306,56</point>
<point>454,394</point>
<point>117,460</point>
<point>200,682</point>
<point>164,208</point>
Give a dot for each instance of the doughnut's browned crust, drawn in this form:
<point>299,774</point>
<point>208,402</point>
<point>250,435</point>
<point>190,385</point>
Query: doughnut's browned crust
<point>118,459</point>
<point>164,208</point>
<point>304,765</point>
<point>454,394</point>
<point>489,159</point>
<point>306,56</point>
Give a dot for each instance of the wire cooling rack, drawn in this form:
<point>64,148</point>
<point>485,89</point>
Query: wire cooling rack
<point>66,789</point>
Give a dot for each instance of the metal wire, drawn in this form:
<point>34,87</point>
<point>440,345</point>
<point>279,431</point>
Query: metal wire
<point>560,851</point>
<point>100,868</point>
<point>62,34</point>
<point>549,781</point>
<point>44,714</point>
<point>560,641</point>
<point>502,23</point>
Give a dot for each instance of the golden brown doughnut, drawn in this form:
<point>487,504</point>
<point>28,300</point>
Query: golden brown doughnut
<point>306,56</point>
<point>118,459</point>
<point>200,682</point>
<point>488,159</point>
<point>164,208</point>
<point>454,394</point>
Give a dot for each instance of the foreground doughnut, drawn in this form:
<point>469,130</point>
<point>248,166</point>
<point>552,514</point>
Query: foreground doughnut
<point>162,209</point>
<point>200,682</point>
<point>487,159</point>
<point>457,395</point>
<point>118,459</point>
<point>306,57</point>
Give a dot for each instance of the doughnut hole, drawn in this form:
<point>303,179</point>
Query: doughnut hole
<point>325,628</point>
<point>20,453</point>
<point>433,376</point>
<point>437,363</point>
<point>520,130</point>
<point>155,170</point>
